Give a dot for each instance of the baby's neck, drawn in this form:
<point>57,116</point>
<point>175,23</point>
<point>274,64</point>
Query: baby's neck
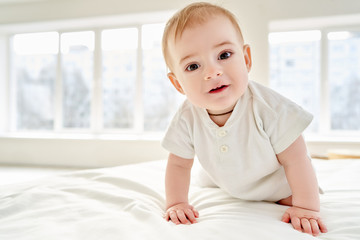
<point>220,120</point>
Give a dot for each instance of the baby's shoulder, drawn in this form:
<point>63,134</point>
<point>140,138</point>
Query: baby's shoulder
<point>268,99</point>
<point>184,114</point>
<point>263,93</point>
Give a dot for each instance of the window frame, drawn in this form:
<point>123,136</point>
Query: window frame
<point>325,26</point>
<point>8,125</point>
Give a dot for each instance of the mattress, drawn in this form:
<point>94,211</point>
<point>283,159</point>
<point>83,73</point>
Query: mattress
<point>127,202</point>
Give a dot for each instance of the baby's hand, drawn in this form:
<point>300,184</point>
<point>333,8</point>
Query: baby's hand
<point>304,220</point>
<point>182,213</point>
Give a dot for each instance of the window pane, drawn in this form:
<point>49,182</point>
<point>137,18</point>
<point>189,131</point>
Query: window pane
<point>295,69</point>
<point>160,97</point>
<point>119,55</point>
<point>77,74</point>
<point>344,76</point>
<point>34,71</point>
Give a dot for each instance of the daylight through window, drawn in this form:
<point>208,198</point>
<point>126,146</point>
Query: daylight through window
<point>320,71</point>
<point>60,78</point>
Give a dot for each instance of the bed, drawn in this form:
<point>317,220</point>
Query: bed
<point>127,202</point>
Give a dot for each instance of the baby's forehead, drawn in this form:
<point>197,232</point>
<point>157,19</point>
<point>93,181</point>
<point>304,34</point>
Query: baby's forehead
<point>191,23</point>
<point>196,22</point>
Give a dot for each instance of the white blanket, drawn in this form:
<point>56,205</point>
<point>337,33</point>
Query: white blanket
<point>127,202</point>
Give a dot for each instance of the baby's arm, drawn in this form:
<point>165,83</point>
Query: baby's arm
<point>177,181</point>
<point>304,213</point>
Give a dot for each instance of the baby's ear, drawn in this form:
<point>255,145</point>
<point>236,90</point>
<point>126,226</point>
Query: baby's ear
<point>247,55</point>
<point>175,82</point>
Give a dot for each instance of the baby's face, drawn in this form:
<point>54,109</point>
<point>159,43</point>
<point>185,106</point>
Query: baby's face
<point>210,65</point>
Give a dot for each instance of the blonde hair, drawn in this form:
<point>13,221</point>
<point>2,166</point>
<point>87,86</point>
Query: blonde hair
<point>190,16</point>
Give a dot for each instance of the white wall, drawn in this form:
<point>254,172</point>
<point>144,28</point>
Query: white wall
<point>254,17</point>
<point>78,152</point>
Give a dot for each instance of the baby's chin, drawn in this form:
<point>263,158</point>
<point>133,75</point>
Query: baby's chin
<point>221,109</point>
<point>224,103</point>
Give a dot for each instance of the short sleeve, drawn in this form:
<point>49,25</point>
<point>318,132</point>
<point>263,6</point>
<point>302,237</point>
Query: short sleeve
<point>291,123</point>
<point>178,139</point>
<point>283,120</point>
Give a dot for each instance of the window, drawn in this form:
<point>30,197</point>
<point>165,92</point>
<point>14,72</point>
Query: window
<point>119,57</point>
<point>95,80</point>
<point>344,80</point>
<point>295,66</point>
<point>320,70</point>
<point>160,98</point>
<point>77,63</point>
<point>34,75</point>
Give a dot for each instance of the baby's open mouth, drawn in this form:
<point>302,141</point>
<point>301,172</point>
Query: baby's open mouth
<point>218,89</point>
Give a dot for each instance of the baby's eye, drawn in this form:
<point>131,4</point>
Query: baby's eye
<point>225,55</point>
<point>192,67</point>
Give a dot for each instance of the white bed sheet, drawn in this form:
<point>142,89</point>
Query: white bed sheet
<point>127,202</point>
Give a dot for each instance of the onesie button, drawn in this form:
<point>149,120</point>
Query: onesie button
<point>222,133</point>
<point>224,148</point>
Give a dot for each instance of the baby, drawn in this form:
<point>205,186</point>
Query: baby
<point>247,137</point>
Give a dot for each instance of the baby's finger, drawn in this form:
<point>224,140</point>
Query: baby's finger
<point>314,227</point>
<point>286,217</point>
<point>181,216</point>
<point>196,213</point>
<point>167,216</point>
<point>174,218</point>
<point>322,226</point>
<point>190,215</point>
<point>295,221</point>
<point>306,225</point>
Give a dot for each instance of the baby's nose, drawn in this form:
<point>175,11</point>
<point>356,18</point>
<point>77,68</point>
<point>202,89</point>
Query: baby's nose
<point>213,73</point>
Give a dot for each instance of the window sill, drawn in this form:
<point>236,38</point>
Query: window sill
<point>333,138</point>
<point>151,136</point>
<point>157,136</point>
<point>105,150</point>
<point>322,146</point>
<point>79,150</point>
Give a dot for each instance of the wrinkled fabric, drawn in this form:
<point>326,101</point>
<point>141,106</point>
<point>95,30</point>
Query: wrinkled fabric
<point>127,202</point>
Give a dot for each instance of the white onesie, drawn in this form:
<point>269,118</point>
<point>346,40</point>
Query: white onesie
<point>240,157</point>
